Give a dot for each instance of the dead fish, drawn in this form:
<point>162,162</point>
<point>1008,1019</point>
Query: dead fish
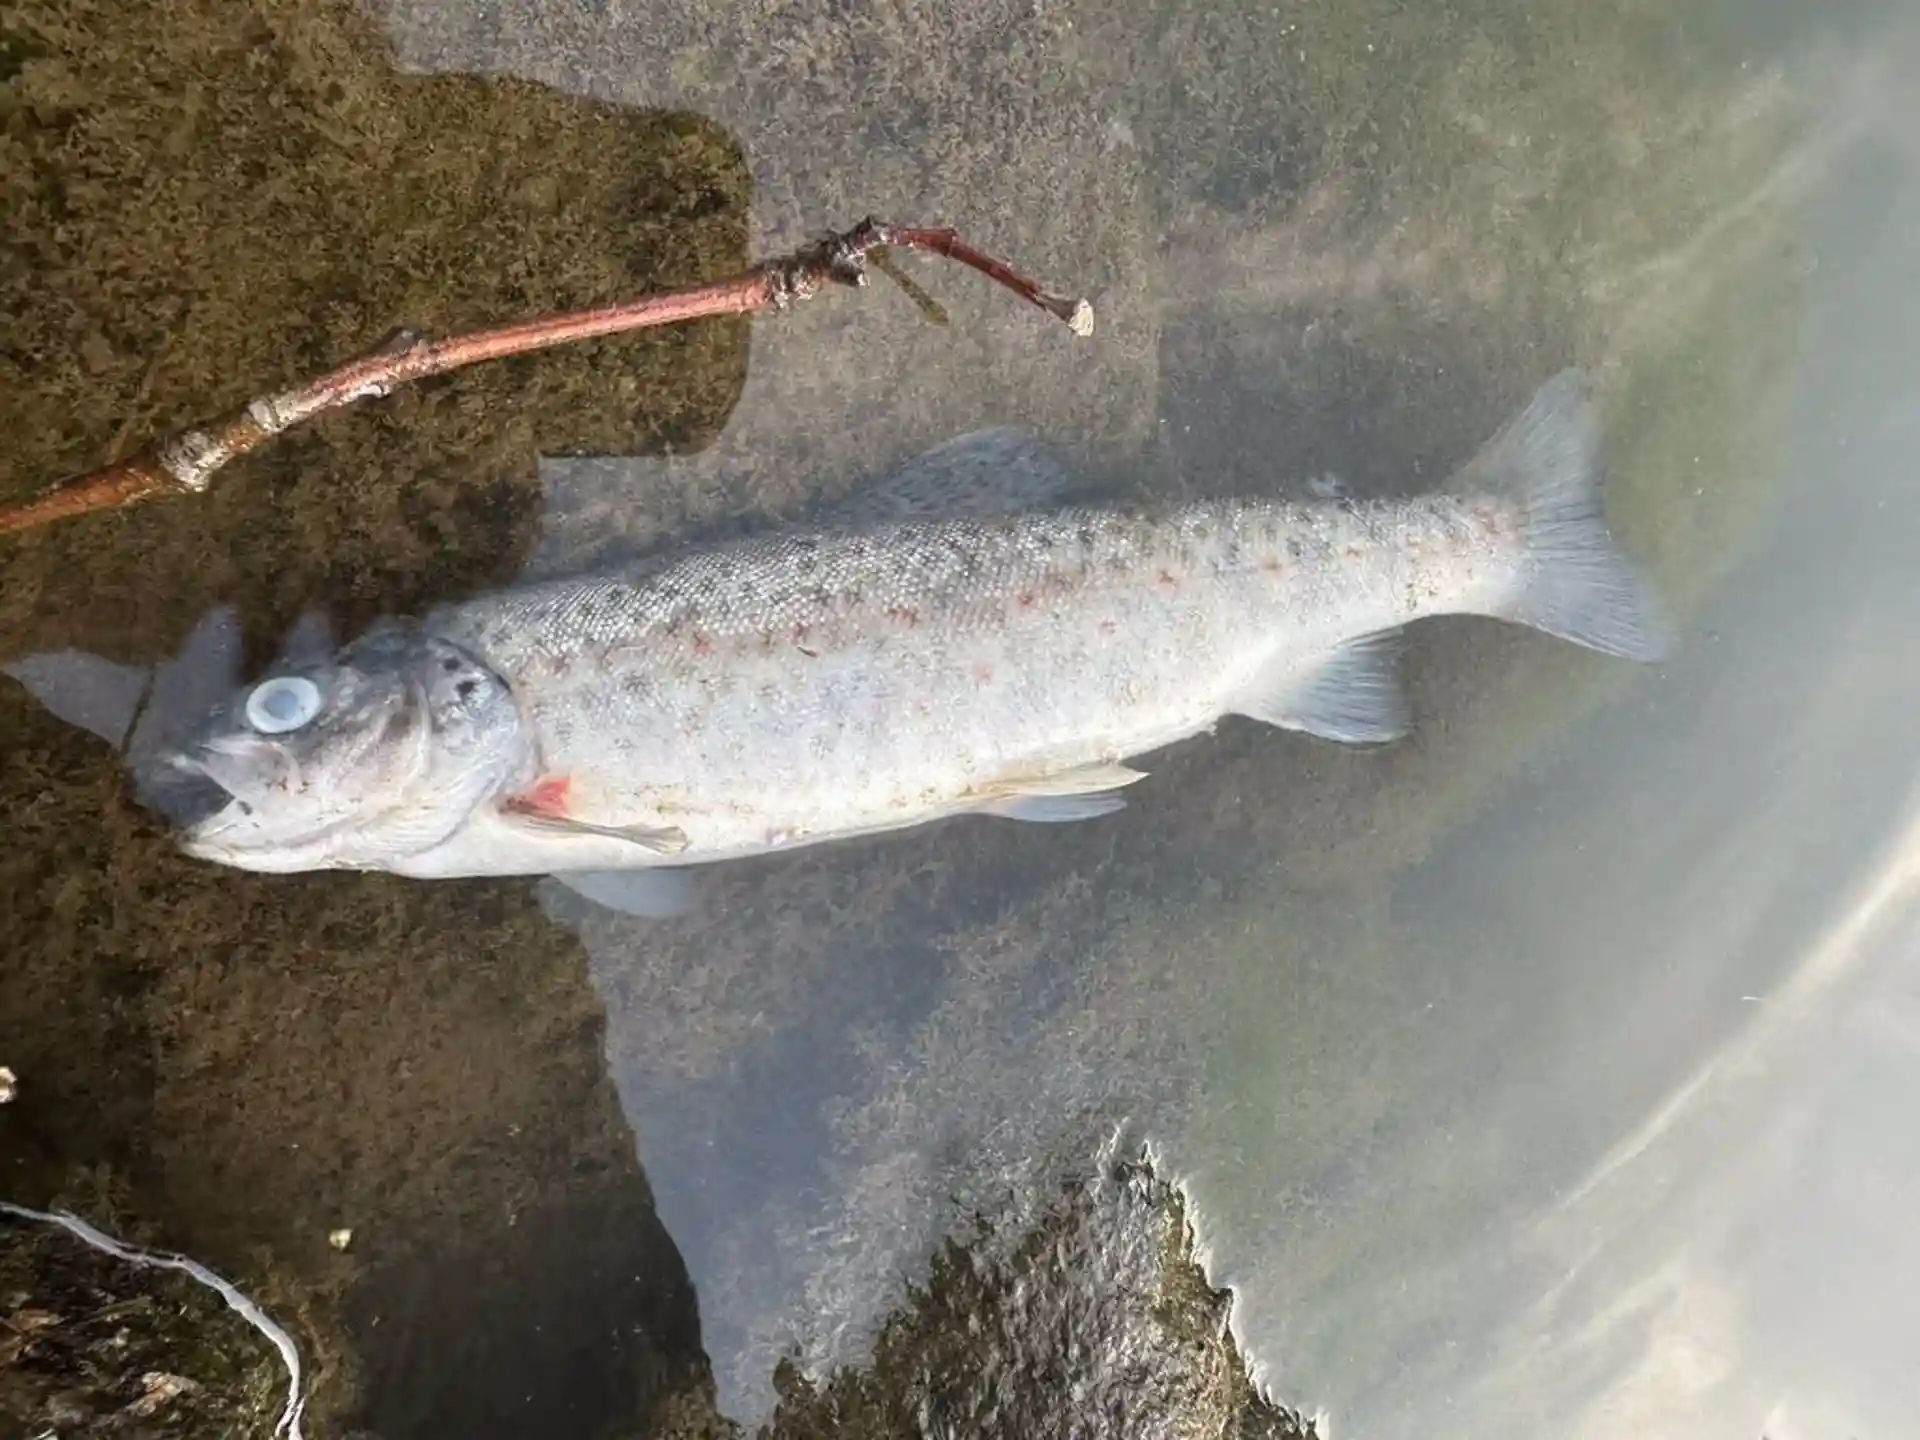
<point>968,652</point>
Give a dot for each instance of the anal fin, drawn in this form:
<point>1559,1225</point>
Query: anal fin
<point>1352,694</point>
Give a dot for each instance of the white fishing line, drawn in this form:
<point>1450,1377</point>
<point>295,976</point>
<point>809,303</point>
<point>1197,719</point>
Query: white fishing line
<point>289,1423</point>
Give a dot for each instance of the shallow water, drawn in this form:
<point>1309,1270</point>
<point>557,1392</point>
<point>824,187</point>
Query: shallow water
<point>1541,1073</point>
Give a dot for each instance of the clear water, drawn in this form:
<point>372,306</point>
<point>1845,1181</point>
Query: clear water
<point>1546,1073</point>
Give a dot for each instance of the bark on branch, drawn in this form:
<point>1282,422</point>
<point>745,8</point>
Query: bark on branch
<point>187,461</point>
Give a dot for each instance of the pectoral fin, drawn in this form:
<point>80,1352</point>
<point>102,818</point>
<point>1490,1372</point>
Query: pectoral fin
<point>662,839</point>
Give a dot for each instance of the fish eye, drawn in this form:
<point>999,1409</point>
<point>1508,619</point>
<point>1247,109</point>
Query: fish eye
<point>284,703</point>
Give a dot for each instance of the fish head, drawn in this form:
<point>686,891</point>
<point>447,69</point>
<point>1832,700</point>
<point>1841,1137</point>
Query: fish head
<point>376,753</point>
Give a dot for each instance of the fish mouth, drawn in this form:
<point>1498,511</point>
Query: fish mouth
<point>206,816</point>
<point>213,820</point>
<point>182,793</point>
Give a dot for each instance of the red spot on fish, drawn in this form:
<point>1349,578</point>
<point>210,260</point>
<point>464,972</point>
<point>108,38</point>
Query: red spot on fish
<point>702,645</point>
<point>1271,564</point>
<point>1026,599</point>
<point>547,797</point>
<point>905,614</point>
<point>1168,581</point>
<point>983,674</point>
<point>801,631</point>
<point>1108,627</point>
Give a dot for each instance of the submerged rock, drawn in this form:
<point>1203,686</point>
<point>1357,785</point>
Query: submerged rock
<point>1097,1321</point>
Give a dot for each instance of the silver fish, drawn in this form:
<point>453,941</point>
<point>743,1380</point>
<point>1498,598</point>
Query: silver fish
<point>828,681</point>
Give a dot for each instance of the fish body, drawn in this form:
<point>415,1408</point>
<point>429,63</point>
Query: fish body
<point>813,684</point>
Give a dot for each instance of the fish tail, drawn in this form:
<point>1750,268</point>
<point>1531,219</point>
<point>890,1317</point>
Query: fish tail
<point>1575,581</point>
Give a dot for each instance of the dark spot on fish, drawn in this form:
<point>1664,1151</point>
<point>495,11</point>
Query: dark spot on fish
<point>1168,581</point>
<point>450,664</point>
<point>466,688</point>
<point>1107,627</point>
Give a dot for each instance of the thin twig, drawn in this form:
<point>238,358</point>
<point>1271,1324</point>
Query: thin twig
<point>289,1423</point>
<point>186,461</point>
<point>931,308</point>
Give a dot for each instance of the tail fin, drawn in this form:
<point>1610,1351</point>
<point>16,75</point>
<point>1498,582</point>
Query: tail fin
<point>1576,583</point>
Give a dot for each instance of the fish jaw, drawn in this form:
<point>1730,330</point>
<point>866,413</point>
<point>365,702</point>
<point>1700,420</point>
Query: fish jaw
<point>291,861</point>
<point>211,838</point>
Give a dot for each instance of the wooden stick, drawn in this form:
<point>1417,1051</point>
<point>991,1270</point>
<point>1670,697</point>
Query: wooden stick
<point>186,461</point>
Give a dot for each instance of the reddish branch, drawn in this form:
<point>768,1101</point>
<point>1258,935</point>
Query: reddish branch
<point>186,461</point>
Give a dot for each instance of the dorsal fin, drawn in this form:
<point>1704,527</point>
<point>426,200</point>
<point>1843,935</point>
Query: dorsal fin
<point>600,509</point>
<point>976,476</point>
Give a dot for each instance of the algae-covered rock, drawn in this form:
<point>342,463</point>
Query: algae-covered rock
<point>95,1345</point>
<point>1095,1322</point>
